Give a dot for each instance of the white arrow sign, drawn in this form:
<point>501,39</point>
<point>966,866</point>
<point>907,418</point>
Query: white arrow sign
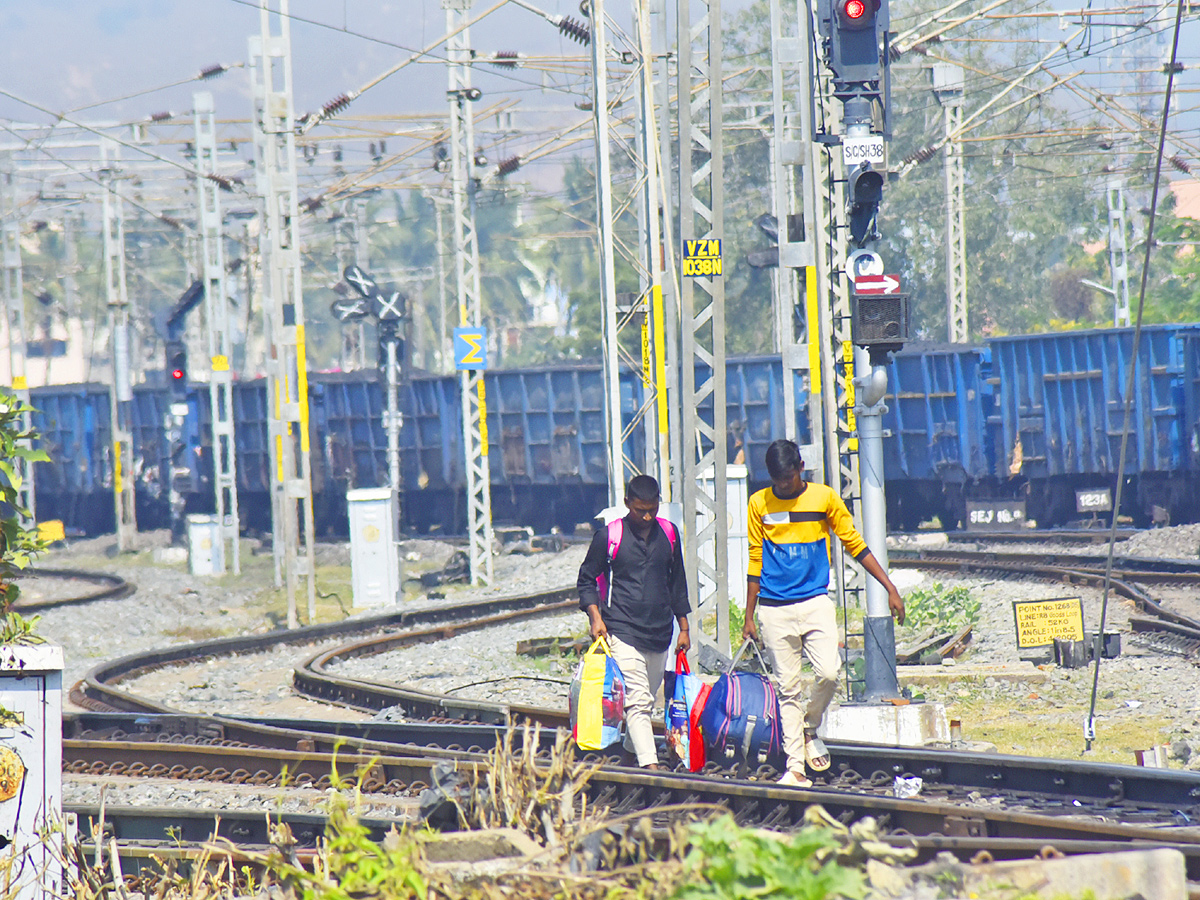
<point>877,284</point>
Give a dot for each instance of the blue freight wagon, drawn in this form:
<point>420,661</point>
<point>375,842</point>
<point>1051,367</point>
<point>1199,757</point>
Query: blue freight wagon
<point>1032,417</point>
<point>936,448</point>
<point>1060,411</point>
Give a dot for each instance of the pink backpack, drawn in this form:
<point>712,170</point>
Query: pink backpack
<point>616,530</point>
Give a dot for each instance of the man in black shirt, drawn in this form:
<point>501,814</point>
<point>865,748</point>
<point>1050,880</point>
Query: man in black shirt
<point>646,589</point>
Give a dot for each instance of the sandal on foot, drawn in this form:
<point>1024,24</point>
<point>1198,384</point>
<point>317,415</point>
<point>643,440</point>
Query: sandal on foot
<point>791,779</point>
<point>816,756</point>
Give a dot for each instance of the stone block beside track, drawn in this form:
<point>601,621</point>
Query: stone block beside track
<point>1158,874</point>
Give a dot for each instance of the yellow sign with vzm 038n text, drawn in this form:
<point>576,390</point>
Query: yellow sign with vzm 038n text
<point>701,258</point>
<point>1039,622</point>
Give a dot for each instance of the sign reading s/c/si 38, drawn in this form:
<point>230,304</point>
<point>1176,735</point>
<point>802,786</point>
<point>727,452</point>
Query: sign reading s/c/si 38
<point>1039,622</point>
<point>701,258</point>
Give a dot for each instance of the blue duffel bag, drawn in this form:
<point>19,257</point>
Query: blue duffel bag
<point>740,721</point>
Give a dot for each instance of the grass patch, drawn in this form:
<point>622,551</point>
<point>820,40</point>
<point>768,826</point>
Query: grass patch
<point>1048,722</point>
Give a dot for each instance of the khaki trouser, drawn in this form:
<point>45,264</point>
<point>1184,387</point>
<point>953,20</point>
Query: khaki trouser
<point>643,674</point>
<point>807,628</point>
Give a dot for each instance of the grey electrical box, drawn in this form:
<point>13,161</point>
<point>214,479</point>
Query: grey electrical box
<point>206,550</point>
<point>31,769</point>
<point>374,556</point>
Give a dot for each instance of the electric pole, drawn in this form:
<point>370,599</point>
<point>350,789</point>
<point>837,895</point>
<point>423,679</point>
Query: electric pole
<point>794,208</point>
<point>283,305</point>
<point>1118,261</point>
<point>702,310</point>
<point>464,184</point>
<point>218,329</point>
<point>948,89</point>
<point>121,390</point>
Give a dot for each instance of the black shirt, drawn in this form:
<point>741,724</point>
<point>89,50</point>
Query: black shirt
<point>647,586</point>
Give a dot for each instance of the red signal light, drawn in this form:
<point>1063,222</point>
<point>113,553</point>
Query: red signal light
<point>177,374</point>
<point>854,9</point>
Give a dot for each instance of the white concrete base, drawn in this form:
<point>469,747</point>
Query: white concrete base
<point>898,726</point>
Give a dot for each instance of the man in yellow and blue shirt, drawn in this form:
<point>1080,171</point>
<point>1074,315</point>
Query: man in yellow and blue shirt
<point>788,585</point>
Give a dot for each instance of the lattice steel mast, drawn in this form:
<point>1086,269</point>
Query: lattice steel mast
<point>464,181</point>
<point>948,89</point>
<point>218,328</point>
<point>702,310</point>
<point>794,208</point>
<point>121,391</point>
<point>283,304</point>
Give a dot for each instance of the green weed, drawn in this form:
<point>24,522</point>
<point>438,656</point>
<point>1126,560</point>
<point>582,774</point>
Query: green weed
<point>941,607</point>
<point>727,862</point>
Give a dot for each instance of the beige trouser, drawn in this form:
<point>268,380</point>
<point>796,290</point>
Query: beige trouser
<point>643,674</point>
<point>807,628</point>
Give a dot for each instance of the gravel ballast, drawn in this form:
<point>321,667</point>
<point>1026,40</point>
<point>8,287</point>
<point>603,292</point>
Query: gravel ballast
<point>172,607</point>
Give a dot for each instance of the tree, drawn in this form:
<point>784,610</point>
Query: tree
<point>19,545</point>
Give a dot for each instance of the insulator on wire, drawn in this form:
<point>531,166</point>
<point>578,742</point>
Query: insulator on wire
<point>576,31</point>
<point>213,71</point>
<point>335,106</point>
<point>506,59</point>
<point>923,155</point>
<point>161,116</point>
<point>173,222</point>
<point>1181,164</point>
<point>225,184</point>
<point>311,203</point>
<point>508,166</point>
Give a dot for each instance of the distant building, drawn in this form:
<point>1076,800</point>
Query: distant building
<point>1187,198</point>
<point>61,356</point>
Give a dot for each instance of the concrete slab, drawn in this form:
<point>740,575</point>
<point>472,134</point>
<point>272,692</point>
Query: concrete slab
<point>913,725</point>
<point>1151,874</point>
<point>971,673</point>
<point>1158,874</point>
<point>468,855</point>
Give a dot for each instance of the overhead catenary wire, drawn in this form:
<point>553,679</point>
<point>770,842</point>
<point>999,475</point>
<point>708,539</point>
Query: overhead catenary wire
<point>1090,723</point>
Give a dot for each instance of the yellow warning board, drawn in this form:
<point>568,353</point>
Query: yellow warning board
<point>1039,622</point>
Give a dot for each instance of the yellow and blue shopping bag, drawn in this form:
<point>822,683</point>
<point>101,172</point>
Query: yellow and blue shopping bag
<point>597,700</point>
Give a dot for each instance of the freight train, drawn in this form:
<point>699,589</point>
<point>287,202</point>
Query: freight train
<point>1013,431</point>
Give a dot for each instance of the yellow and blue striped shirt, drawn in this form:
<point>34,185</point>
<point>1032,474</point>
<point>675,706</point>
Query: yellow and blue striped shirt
<point>789,542</point>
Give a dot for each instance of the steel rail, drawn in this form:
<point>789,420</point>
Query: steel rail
<point>111,587</point>
<point>1048,567</point>
<point>97,688</point>
<point>1072,788</point>
<point>629,790</point>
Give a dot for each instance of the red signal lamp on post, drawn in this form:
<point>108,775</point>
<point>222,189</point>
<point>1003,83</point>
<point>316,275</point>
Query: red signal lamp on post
<point>177,369</point>
<point>857,14</point>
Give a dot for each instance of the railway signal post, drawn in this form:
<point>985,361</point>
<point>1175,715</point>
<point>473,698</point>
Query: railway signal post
<point>854,42</point>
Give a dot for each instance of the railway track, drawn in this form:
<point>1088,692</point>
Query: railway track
<point>100,586</point>
<point>969,801</point>
<point>1159,628</point>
